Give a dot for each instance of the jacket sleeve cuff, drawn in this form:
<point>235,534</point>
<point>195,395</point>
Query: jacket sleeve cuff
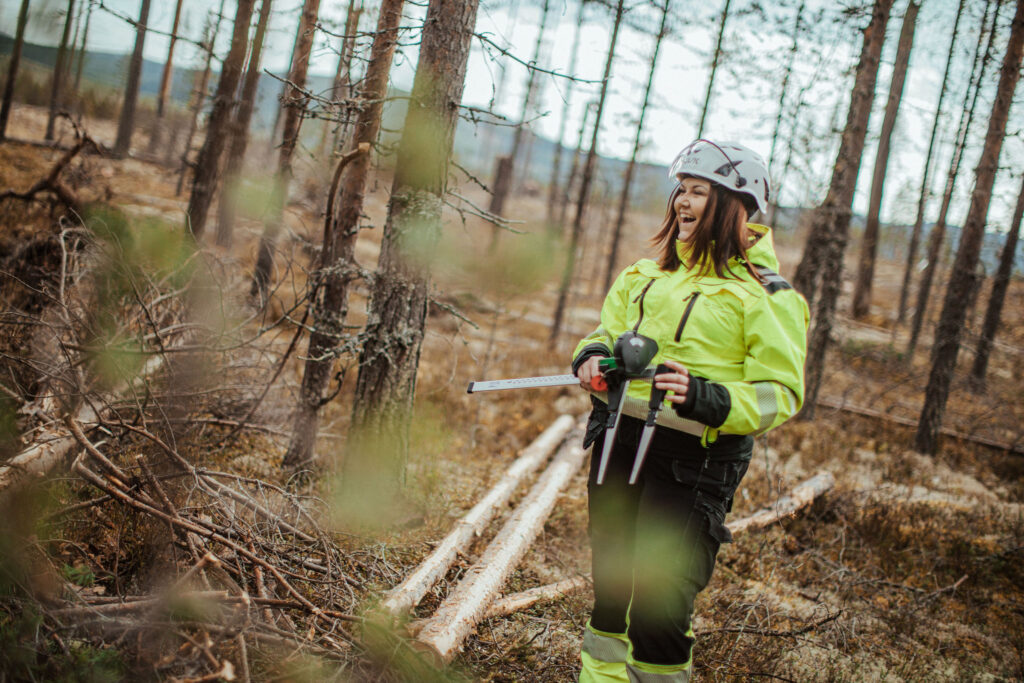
<point>706,402</point>
<point>588,351</point>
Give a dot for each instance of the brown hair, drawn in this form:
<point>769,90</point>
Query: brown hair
<point>719,236</point>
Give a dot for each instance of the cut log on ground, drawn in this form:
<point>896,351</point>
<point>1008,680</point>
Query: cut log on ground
<point>1011,448</point>
<point>53,445</point>
<point>407,594</point>
<point>444,633</point>
<point>802,495</point>
<point>518,601</point>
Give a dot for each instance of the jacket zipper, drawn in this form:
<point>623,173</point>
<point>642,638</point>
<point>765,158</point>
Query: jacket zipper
<point>640,298</point>
<point>686,315</point>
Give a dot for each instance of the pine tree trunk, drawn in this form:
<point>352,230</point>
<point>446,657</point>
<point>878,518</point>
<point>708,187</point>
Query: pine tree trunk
<point>584,193</point>
<point>777,129</point>
<point>156,133</point>
<point>82,51</point>
<point>343,78</point>
<point>951,321</point>
<point>337,272</point>
<point>832,218</point>
<point>12,69</point>
<point>126,124</point>
<point>869,245</point>
<point>556,165</point>
<point>714,69</point>
<point>57,83</point>
<point>378,444</point>
<point>228,205</point>
<point>938,232</point>
<point>210,33</point>
<point>994,310</point>
<point>295,104</point>
<point>207,169</point>
<point>501,191</point>
<point>574,167</point>
<point>915,235</point>
<point>627,182</point>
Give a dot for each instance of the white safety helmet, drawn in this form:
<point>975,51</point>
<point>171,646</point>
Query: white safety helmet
<point>729,164</point>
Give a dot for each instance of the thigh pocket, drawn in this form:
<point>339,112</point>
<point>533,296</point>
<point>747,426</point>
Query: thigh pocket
<point>717,479</point>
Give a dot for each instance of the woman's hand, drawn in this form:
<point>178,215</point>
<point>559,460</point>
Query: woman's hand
<point>589,370</point>
<point>677,382</point>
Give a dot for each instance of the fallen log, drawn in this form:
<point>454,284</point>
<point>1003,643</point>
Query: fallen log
<point>518,601</point>
<point>803,494</point>
<point>457,617</point>
<point>408,594</point>
<point>1011,448</point>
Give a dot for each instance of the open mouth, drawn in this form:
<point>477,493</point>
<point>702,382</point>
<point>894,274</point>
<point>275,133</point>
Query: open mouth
<point>687,219</point>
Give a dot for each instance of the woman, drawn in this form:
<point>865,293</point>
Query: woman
<point>732,334</point>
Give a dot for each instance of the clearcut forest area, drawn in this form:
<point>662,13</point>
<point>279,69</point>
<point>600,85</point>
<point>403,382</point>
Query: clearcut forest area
<point>244,291</point>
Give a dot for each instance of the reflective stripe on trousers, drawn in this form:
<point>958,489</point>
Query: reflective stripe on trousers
<point>604,657</point>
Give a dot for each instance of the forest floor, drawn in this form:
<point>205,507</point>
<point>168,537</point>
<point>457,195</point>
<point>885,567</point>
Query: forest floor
<point>910,569</point>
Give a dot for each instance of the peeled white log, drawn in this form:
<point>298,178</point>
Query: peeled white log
<point>444,633</point>
<point>407,594</point>
<point>517,601</point>
<point>803,494</point>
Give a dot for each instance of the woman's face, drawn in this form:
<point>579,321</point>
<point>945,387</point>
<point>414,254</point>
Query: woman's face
<point>690,202</point>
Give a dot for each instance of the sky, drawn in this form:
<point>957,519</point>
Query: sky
<point>744,104</point>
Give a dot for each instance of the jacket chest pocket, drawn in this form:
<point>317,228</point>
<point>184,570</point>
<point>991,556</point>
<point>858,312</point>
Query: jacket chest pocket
<point>710,324</point>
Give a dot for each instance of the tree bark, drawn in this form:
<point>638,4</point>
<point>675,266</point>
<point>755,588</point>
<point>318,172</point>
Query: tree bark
<point>994,311</point>
<point>627,182</point>
<point>295,104</point>
<point>337,259</point>
<point>869,244</point>
<point>408,594</point>
<point>57,84</point>
<point>574,166</point>
<point>239,132</point>
<point>831,220</point>
<point>207,173</point>
<point>156,133</point>
<point>947,336</point>
<point>386,384</point>
<point>199,94</point>
<point>556,165</point>
<point>467,604</point>
<point>12,69</point>
<point>126,124</point>
<point>915,234</point>
<point>584,193</point>
<point>714,69</point>
<point>501,191</point>
<point>938,232</point>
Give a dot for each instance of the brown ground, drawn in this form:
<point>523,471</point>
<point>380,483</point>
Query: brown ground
<point>909,570</point>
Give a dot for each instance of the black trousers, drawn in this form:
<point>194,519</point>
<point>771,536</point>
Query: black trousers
<point>654,543</point>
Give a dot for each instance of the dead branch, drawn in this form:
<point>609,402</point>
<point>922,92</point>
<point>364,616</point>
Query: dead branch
<point>769,633</point>
<point>51,181</point>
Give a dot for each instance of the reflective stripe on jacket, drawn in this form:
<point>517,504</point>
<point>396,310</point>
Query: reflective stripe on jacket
<point>747,338</point>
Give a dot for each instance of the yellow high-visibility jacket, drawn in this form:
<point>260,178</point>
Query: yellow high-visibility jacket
<point>742,339</point>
